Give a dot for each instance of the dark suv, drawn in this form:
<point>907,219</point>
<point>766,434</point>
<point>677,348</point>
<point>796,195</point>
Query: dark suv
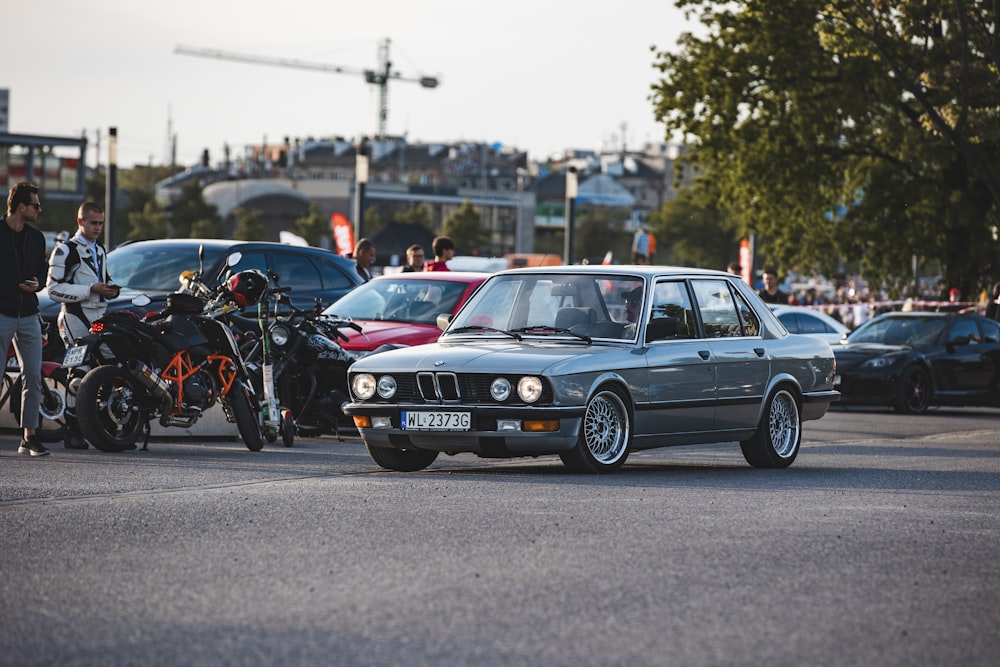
<point>154,267</point>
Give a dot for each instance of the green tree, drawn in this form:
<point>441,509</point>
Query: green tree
<point>596,230</point>
<point>465,227</point>
<point>854,129</point>
<point>190,208</point>
<point>151,223</point>
<point>690,232</point>
<point>312,226</point>
<point>248,227</point>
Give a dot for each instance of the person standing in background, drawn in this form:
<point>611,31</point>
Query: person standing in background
<point>22,270</point>
<point>640,246</point>
<point>444,249</point>
<point>364,256</point>
<point>414,258</point>
<point>78,279</point>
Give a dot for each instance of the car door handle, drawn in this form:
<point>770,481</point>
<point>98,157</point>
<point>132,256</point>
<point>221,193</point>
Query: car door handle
<point>760,351</point>
<point>704,354</point>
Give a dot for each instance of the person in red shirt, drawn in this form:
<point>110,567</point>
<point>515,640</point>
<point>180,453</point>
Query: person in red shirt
<point>444,249</point>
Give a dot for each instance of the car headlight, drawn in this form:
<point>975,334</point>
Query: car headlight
<point>363,385</point>
<point>529,388</point>
<point>879,362</point>
<point>279,334</point>
<point>500,389</point>
<point>386,387</point>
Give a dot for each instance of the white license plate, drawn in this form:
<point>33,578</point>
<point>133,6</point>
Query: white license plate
<point>437,421</point>
<point>75,355</point>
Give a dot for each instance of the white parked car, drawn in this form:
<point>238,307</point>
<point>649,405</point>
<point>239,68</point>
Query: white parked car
<point>811,322</point>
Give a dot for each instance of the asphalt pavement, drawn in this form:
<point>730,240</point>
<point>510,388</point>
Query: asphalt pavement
<point>877,547</point>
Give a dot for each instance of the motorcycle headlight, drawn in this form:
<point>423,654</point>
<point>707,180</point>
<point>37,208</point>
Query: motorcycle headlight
<point>363,385</point>
<point>386,387</point>
<point>500,389</point>
<point>529,388</point>
<point>280,334</point>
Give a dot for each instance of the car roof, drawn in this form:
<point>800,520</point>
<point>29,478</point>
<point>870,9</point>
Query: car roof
<point>228,243</point>
<point>451,276</point>
<point>643,270</point>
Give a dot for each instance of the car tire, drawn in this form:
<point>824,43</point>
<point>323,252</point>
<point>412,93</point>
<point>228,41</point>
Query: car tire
<point>402,460</point>
<point>913,392</point>
<point>779,434</point>
<point>605,435</point>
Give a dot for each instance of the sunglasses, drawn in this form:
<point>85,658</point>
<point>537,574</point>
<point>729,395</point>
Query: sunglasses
<point>36,205</point>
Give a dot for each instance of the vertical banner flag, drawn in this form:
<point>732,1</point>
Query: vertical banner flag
<point>746,262</point>
<point>343,234</point>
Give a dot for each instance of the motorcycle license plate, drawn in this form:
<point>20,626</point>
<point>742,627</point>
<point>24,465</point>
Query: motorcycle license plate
<point>75,355</point>
<point>436,421</point>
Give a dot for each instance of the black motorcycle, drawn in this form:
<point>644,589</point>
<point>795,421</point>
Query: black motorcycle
<point>171,366</point>
<point>309,367</point>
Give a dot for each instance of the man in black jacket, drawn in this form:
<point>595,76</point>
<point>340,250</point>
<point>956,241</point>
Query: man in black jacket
<point>23,271</point>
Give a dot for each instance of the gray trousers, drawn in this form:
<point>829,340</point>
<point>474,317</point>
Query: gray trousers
<point>26,333</point>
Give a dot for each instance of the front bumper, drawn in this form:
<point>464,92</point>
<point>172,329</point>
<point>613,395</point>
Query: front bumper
<point>484,438</point>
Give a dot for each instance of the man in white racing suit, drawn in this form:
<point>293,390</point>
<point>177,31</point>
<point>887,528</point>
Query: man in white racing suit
<point>78,279</point>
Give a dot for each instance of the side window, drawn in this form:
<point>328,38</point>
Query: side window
<point>334,277</point>
<point>791,321</point>
<point>811,325</point>
<point>295,271</point>
<point>717,308</point>
<point>990,331</point>
<point>671,302</point>
<point>250,260</point>
<point>748,318</point>
<point>965,329</point>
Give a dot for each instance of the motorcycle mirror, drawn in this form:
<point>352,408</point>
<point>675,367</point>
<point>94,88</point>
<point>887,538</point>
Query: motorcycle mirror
<point>234,258</point>
<point>141,300</point>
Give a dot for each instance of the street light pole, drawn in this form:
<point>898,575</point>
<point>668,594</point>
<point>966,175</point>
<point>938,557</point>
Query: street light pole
<point>571,192</point>
<point>110,189</point>
<point>360,181</point>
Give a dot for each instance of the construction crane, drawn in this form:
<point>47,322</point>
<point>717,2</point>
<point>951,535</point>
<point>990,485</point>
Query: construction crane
<point>379,77</point>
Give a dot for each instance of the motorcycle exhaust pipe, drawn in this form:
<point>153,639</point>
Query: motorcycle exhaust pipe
<point>150,380</point>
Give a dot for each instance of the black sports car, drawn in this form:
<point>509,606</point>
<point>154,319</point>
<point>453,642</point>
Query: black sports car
<point>911,361</point>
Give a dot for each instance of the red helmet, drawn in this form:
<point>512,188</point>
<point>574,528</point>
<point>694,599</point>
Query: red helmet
<point>247,287</point>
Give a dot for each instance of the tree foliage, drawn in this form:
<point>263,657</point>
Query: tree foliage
<point>849,129</point>
<point>248,226</point>
<point>312,226</point>
<point>151,223</point>
<point>465,227</point>
<point>191,208</point>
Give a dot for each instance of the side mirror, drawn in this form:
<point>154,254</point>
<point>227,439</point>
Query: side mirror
<point>443,320</point>
<point>141,300</point>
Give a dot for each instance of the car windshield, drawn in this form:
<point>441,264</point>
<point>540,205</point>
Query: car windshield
<point>399,300</point>
<point>912,331</point>
<point>550,303</point>
<point>156,266</point>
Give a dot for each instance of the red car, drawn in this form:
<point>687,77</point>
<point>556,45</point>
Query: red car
<point>402,308</point>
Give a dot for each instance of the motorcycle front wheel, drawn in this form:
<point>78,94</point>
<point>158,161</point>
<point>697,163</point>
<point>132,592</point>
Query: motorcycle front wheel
<point>106,409</point>
<point>243,405</point>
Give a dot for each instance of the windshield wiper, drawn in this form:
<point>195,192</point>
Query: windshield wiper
<point>476,327</point>
<point>545,330</point>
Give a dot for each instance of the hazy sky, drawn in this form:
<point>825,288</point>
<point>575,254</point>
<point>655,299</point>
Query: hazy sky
<point>542,76</point>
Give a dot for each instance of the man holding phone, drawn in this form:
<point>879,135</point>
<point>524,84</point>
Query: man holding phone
<point>78,279</point>
<point>22,268</point>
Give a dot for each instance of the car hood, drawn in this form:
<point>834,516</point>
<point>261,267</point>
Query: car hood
<point>529,356</point>
<point>377,332</point>
<point>849,355</point>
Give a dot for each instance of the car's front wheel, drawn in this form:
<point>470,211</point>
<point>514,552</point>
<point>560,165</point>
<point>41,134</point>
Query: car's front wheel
<point>913,393</point>
<point>605,435</point>
<point>779,434</point>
